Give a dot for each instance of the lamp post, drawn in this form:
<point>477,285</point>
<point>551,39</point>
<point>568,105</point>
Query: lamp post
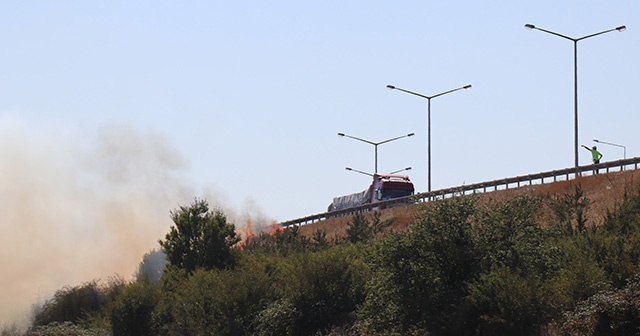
<point>575,75</point>
<point>358,171</point>
<point>369,174</point>
<point>375,144</point>
<point>428,98</point>
<point>612,144</point>
<point>401,170</point>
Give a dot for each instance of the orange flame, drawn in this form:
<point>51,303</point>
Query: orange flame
<point>275,228</point>
<point>246,232</point>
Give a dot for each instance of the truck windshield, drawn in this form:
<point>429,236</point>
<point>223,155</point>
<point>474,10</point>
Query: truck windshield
<point>395,193</point>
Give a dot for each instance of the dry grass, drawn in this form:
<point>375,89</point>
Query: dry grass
<point>605,192</point>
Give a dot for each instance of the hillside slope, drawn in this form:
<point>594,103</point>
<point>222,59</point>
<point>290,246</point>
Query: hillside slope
<point>603,190</point>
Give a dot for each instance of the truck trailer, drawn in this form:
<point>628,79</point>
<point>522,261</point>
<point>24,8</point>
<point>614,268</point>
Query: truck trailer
<point>384,187</point>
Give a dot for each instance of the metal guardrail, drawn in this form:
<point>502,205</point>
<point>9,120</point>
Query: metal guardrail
<point>506,183</point>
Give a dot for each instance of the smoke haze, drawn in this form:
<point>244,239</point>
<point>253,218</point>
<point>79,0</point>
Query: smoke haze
<point>82,205</point>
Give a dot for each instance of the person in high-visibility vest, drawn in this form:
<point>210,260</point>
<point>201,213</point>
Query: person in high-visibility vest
<point>594,154</point>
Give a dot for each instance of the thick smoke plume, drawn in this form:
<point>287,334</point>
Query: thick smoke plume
<point>82,205</point>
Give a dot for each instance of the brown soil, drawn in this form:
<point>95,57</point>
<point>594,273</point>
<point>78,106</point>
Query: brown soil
<point>605,191</point>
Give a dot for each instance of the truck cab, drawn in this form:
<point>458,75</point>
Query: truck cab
<point>390,186</point>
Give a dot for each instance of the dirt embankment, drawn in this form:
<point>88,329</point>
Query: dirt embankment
<point>604,191</point>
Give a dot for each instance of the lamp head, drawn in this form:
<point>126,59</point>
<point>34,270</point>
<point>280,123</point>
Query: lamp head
<point>390,87</point>
<point>596,140</point>
<point>621,28</point>
<point>468,86</point>
<point>348,168</point>
<point>411,134</point>
<point>341,134</point>
<point>529,26</point>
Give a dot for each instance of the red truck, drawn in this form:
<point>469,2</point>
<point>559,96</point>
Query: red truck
<point>384,187</point>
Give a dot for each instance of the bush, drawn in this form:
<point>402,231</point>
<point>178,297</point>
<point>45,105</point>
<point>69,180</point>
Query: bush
<point>282,242</point>
<point>79,304</point>
<point>503,302</point>
<point>418,277</point>
<point>65,329</point>
<point>132,311</point>
<point>316,290</point>
<point>218,302</point>
<point>616,243</point>
<point>612,312</point>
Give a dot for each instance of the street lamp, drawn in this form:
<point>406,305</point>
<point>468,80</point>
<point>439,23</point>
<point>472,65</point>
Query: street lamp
<point>612,144</point>
<point>401,170</point>
<point>369,174</point>
<point>375,144</point>
<point>428,98</point>
<point>358,171</point>
<point>575,75</point>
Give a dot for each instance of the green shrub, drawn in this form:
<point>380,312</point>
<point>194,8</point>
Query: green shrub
<point>282,242</point>
<point>503,302</point>
<point>79,304</point>
<point>418,277</point>
<point>316,290</point>
<point>612,312</point>
<point>65,329</point>
<point>217,302</point>
<point>132,312</point>
<point>616,243</point>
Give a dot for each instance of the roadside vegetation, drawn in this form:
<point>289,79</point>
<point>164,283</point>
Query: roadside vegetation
<point>530,265</point>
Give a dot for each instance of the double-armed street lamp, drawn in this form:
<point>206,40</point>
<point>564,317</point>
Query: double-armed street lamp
<point>358,171</point>
<point>428,98</point>
<point>612,144</point>
<point>401,170</point>
<point>375,144</point>
<point>575,74</point>
<point>369,174</point>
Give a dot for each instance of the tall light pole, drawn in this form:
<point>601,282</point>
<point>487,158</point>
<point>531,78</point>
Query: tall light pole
<point>612,144</point>
<point>358,171</point>
<point>375,144</point>
<point>401,170</point>
<point>428,98</point>
<point>575,75</point>
<point>369,174</point>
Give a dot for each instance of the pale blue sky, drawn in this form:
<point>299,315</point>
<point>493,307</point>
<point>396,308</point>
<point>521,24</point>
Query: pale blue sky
<point>114,112</point>
<point>252,93</point>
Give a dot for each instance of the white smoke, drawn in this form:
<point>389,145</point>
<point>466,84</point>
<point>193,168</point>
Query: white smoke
<point>77,206</point>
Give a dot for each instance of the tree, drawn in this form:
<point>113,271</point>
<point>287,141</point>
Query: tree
<point>570,207</point>
<point>151,267</point>
<point>358,229</point>
<point>201,238</point>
